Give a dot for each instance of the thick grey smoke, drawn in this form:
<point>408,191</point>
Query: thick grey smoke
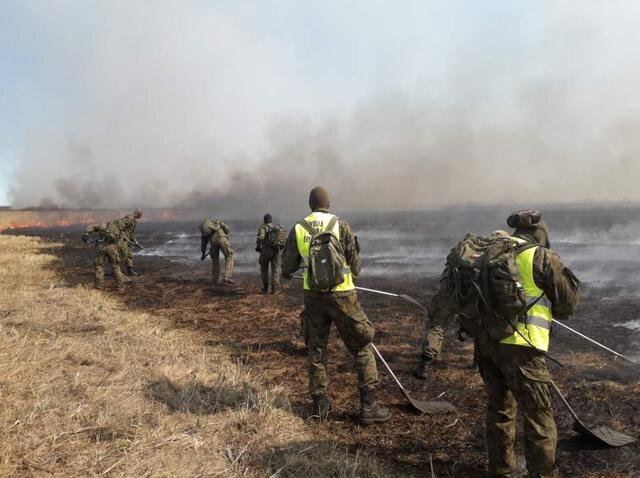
<point>180,104</point>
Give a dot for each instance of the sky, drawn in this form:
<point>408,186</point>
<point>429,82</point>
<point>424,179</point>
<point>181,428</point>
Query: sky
<point>395,104</point>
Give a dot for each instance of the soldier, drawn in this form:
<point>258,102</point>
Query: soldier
<point>215,232</point>
<point>441,316</point>
<point>338,305</point>
<point>107,248</point>
<point>127,225</point>
<point>514,370</point>
<point>270,254</point>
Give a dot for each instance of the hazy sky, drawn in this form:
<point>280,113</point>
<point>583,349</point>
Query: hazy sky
<point>168,102</point>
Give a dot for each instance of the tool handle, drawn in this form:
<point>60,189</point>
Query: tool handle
<point>375,349</point>
<point>564,400</point>
<point>595,342</point>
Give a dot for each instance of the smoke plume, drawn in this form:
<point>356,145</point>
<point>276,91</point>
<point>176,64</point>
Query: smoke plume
<point>236,109</point>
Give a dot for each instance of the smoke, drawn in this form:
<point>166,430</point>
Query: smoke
<point>236,109</point>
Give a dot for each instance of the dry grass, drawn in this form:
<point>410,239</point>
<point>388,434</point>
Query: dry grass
<point>90,388</point>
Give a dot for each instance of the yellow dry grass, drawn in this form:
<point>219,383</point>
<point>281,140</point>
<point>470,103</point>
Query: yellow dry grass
<point>89,388</point>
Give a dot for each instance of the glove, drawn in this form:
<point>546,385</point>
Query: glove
<point>287,276</point>
<point>203,257</point>
<point>85,238</point>
<point>258,249</point>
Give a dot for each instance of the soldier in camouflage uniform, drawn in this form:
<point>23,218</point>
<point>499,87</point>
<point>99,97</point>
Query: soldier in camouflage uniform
<point>441,316</point>
<point>270,256</point>
<point>127,225</point>
<point>514,369</point>
<point>339,306</point>
<point>106,248</point>
<point>214,233</point>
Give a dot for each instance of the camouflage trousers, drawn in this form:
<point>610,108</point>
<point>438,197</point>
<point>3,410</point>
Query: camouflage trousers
<point>270,257</point>
<point>221,244</point>
<point>518,376</point>
<point>431,345</point>
<point>110,253</point>
<point>126,254</point>
<point>355,329</point>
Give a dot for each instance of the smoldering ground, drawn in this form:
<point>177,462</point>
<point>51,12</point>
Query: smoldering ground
<point>238,108</point>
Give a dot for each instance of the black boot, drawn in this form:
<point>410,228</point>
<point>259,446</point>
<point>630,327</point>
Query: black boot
<point>321,406</point>
<point>370,411</point>
<point>265,288</point>
<point>420,372</point>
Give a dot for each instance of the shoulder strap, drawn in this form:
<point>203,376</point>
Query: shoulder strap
<point>332,224</point>
<point>308,227</point>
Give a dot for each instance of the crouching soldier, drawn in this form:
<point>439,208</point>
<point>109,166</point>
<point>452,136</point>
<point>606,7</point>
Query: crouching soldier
<point>269,243</point>
<point>325,248</point>
<point>107,247</point>
<point>128,227</point>
<point>214,234</point>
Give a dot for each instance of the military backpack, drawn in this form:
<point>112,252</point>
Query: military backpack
<point>327,261</point>
<point>276,237</point>
<point>483,281</point>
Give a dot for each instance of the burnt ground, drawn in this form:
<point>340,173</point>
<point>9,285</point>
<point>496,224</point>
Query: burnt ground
<point>263,333</point>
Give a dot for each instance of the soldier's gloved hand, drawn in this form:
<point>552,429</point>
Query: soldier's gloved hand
<point>287,276</point>
<point>203,257</point>
<point>258,249</point>
<point>85,238</point>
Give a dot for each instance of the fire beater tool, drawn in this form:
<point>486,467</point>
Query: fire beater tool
<point>600,433</point>
<point>430,407</point>
<point>405,297</point>
<point>193,266</point>
<point>595,342</point>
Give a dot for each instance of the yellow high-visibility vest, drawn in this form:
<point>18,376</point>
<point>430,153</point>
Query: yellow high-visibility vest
<point>319,221</point>
<point>535,325</point>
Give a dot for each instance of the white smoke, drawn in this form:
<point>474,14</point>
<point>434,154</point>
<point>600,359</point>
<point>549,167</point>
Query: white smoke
<point>169,103</point>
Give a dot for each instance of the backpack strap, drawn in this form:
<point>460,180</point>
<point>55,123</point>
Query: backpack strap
<point>308,227</point>
<point>332,224</point>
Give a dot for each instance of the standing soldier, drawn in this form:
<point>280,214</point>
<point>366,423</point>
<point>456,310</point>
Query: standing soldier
<point>214,232</point>
<point>128,226</point>
<point>109,236</point>
<point>269,243</point>
<point>327,251</point>
<point>514,369</point>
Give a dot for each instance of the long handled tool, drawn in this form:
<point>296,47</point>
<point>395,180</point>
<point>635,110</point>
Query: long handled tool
<point>601,433</point>
<point>193,266</point>
<point>406,297</point>
<point>430,407</point>
<point>137,244</point>
<point>596,342</point>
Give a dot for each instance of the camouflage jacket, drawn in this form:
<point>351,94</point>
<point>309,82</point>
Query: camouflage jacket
<point>220,231</point>
<point>127,226</point>
<point>291,259</point>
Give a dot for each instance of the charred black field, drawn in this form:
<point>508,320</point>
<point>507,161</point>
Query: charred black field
<point>263,332</point>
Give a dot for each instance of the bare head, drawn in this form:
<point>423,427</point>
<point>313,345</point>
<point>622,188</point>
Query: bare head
<point>137,213</point>
<point>267,218</point>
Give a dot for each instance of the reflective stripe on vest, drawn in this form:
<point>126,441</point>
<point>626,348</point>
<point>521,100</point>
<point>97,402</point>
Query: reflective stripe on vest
<point>319,221</point>
<point>536,324</point>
